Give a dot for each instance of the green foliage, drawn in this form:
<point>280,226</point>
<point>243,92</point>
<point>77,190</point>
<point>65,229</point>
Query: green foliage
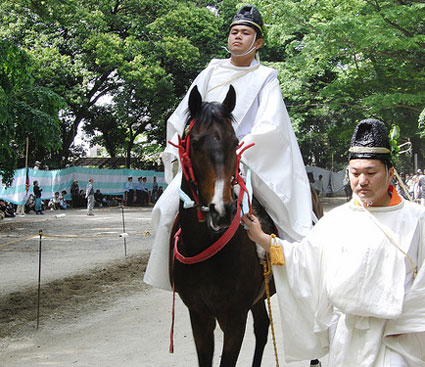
<point>26,110</point>
<point>348,60</point>
<point>394,135</point>
<point>136,56</point>
<point>120,68</point>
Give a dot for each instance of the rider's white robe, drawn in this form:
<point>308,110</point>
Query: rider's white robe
<point>346,288</point>
<point>279,178</point>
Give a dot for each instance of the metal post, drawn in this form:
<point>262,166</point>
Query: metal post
<point>40,232</point>
<point>123,229</point>
<point>415,162</point>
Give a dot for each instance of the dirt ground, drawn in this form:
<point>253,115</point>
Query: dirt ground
<point>94,308</point>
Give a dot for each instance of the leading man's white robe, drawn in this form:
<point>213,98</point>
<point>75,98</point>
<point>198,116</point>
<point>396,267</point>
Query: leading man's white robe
<point>279,179</point>
<point>345,289</point>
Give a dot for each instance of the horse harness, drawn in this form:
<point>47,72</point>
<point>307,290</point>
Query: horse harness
<point>184,155</point>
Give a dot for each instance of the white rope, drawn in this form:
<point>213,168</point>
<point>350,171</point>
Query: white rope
<point>371,216</point>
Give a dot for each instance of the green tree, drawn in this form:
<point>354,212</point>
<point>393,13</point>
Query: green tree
<point>347,60</point>
<point>26,110</point>
<point>86,51</point>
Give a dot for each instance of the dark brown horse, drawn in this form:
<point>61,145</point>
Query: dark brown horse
<point>223,285</point>
<point>226,286</point>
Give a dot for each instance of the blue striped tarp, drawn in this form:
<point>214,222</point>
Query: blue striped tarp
<point>108,181</point>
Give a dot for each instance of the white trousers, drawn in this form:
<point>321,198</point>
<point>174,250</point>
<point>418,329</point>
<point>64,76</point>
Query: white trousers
<point>163,214</point>
<point>90,204</point>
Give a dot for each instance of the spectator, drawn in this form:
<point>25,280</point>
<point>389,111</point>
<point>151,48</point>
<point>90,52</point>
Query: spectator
<point>139,190</point>
<point>129,192</point>
<point>421,189</point>
<point>417,189</point>
<point>99,199</point>
<point>37,165</point>
<point>37,195</point>
<point>54,202</point>
<point>82,198</point>
<point>62,201</point>
<point>6,209</point>
<point>155,187</point>
<point>318,185</point>
<point>145,192</point>
<point>30,204</point>
<point>90,197</point>
<point>75,194</point>
<point>410,185</point>
<point>347,185</point>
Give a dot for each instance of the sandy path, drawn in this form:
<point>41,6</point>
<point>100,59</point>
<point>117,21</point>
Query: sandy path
<point>95,310</point>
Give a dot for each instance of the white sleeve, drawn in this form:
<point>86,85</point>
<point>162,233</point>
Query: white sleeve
<point>299,287</point>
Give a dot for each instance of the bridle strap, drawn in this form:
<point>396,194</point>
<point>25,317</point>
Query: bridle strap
<point>187,168</point>
<point>186,163</point>
<point>217,245</point>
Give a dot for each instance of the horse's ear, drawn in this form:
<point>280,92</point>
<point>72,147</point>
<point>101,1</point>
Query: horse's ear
<point>230,99</point>
<point>195,101</point>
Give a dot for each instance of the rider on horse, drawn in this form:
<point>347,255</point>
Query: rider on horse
<point>279,178</point>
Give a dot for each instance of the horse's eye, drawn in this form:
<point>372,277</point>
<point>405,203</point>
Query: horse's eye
<point>195,142</point>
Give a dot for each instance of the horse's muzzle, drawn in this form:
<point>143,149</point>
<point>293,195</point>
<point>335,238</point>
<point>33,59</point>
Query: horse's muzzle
<point>219,221</point>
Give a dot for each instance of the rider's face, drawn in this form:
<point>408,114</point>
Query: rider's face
<point>241,38</point>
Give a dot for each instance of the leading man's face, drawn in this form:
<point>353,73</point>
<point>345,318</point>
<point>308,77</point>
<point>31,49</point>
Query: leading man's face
<point>370,179</point>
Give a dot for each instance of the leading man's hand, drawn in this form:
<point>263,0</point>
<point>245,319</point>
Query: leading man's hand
<point>255,233</point>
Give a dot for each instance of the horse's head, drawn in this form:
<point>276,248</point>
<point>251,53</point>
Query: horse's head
<point>213,154</point>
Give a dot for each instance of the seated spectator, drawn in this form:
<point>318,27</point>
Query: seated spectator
<point>111,200</point>
<point>82,200</point>
<point>62,202</point>
<point>99,199</point>
<point>30,204</point>
<point>6,209</point>
<point>54,202</point>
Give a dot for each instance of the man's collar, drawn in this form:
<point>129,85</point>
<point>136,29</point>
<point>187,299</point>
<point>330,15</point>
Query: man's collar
<point>395,197</point>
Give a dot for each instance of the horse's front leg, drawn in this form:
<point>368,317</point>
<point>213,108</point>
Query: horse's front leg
<point>203,326</point>
<point>261,329</point>
<point>233,326</point>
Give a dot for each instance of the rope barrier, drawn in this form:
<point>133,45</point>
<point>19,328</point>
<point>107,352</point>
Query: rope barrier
<point>117,235</point>
<point>19,240</point>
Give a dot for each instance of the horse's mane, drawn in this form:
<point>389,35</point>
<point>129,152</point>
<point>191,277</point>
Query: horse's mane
<point>210,113</point>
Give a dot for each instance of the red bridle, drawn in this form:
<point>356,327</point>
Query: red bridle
<point>187,168</point>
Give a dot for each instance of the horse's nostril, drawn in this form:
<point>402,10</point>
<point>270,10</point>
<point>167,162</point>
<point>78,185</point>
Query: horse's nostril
<point>213,211</point>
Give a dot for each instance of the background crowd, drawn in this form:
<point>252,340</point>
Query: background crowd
<point>59,201</point>
<point>414,184</point>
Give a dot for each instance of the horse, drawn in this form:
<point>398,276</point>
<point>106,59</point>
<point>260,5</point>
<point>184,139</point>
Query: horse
<point>214,266</point>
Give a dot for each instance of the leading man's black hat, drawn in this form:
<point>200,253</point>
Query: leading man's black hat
<point>370,141</point>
